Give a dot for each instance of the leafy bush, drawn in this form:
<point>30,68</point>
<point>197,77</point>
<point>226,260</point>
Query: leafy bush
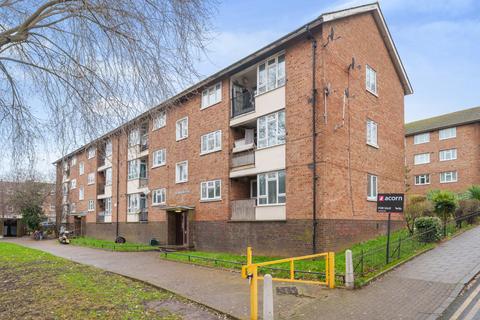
<point>474,192</point>
<point>465,208</point>
<point>417,206</point>
<point>428,229</point>
<point>444,204</point>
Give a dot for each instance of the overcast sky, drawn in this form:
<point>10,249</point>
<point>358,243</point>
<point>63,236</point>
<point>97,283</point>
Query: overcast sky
<point>438,41</point>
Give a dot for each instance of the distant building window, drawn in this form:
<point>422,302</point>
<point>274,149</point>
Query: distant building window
<point>422,179</point>
<point>271,188</point>
<point>159,196</point>
<point>212,95</point>
<point>271,73</point>
<point>271,130</point>
<point>421,138</point>
<point>91,152</point>
<point>137,169</point>
<point>371,79</point>
<point>421,158</point>
<point>134,137</point>
<point>81,193</point>
<point>159,157</point>
<point>160,120</point>
<point>211,142</point>
<point>181,172</point>
<point>108,148</point>
<point>91,178</point>
<point>73,161</point>
<point>73,183</point>
<point>210,190</point>
<point>372,129</point>
<point>73,207</point>
<point>81,168</point>
<point>449,176</point>
<point>372,187</point>
<point>446,155</point>
<point>91,205</point>
<point>448,133</point>
<point>182,128</point>
<point>108,206</point>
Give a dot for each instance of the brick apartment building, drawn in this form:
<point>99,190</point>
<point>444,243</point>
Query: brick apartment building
<point>444,152</point>
<point>229,162</point>
<point>10,219</point>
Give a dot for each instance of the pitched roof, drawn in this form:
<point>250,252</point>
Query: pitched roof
<point>443,121</point>
<point>263,53</point>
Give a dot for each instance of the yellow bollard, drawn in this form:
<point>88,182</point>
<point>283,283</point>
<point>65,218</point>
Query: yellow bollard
<point>331,270</point>
<point>254,294</point>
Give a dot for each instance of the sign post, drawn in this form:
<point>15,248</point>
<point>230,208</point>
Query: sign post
<point>388,203</point>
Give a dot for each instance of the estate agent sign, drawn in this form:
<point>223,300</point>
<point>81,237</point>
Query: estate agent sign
<point>390,202</point>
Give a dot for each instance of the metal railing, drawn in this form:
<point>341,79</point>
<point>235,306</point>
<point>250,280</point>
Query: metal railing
<point>143,215</point>
<point>144,142</point>
<point>243,103</point>
<point>101,217</point>
<point>143,182</point>
<point>243,210</point>
<point>243,158</point>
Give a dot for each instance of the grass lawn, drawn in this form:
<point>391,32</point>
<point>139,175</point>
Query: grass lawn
<point>110,245</point>
<point>38,285</point>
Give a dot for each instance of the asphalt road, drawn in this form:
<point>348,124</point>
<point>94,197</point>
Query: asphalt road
<point>467,305</point>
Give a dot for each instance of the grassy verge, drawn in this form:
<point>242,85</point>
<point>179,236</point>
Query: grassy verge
<point>38,285</point>
<point>110,245</point>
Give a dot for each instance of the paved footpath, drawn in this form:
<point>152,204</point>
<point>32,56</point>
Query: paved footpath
<point>420,289</point>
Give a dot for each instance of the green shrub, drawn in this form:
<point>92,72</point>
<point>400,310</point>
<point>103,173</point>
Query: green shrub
<point>417,206</point>
<point>465,208</point>
<point>428,229</point>
<point>473,192</point>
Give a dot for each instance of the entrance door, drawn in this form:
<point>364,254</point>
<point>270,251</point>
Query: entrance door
<point>179,229</point>
<point>10,228</point>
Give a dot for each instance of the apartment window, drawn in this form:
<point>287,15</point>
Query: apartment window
<point>271,188</point>
<point>371,79</point>
<point>211,142</point>
<point>73,207</point>
<point>182,128</point>
<point>372,133</point>
<point>159,196</point>
<point>446,155</point>
<point>212,95</point>
<point>136,202</point>
<point>271,74</point>
<point>449,176</point>
<point>160,120</point>
<point>448,133</point>
<point>421,158</point>
<point>91,152</point>
<point>108,148</point>
<point>159,157</point>
<point>108,177</point>
<point>210,190</point>
<point>108,206</point>
<point>137,169</point>
<point>91,205</point>
<point>181,172</point>
<point>73,183</point>
<point>422,179</point>
<point>91,178</point>
<point>271,130</point>
<point>372,187</point>
<point>134,137</point>
<point>81,168</point>
<point>80,193</point>
<point>421,138</point>
<point>73,161</point>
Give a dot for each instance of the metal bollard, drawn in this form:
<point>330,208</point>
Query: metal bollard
<point>267,297</point>
<point>349,278</point>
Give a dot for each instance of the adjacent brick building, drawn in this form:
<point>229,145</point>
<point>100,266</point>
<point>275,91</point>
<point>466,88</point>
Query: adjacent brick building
<point>443,152</point>
<point>229,162</point>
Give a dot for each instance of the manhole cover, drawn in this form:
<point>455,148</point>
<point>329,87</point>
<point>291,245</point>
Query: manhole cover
<point>287,290</point>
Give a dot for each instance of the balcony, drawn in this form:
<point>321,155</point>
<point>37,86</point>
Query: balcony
<point>243,103</point>
<point>144,142</point>
<point>243,210</point>
<point>142,183</point>
<point>243,158</point>
<point>104,218</point>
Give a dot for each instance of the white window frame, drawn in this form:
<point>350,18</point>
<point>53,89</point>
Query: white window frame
<point>452,154</point>
<point>134,169</point>
<point>133,203</point>
<point>181,130</point>
<point>91,152</point>
<point>159,196</point>
<point>417,162</point>
<point>280,73</point>
<point>422,179</point>
<point>81,193</point>
<point>73,161</point>
<point>162,154</point>
<point>73,184</point>
<point>372,133</point>
<point>214,137</point>
<point>206,186</point>
<point>81,168</point>
<point>159,120</point>
<point>178,178</point>
<point>91,205</point>
<point>447,133</point>
<point>452,177</point>
<point>108,176</point>
<point>278,135</point>
<point>108,148</point>
<point>211,95</point>
<point>91,178</point>
<point>421,138</point>
<point>73,207</point>
<point>371,80</point>
<point>108,206</point>
<point>134,137</point>
<point>267,177</point>
<point>372,187</point>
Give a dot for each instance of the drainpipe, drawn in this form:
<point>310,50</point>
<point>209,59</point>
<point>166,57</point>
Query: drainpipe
<point>118,180</point>
<point>313,101</point>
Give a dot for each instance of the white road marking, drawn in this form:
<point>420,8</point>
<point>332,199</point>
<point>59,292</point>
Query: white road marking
<point>465,304</point>
<point>473,311</point>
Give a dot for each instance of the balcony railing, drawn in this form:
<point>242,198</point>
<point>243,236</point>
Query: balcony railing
<point>101,189</point>
<point>243,158</point>
<point>142,182</point>
<point>144,142</point>
<point>243,210</point>
<point>243,103</point>
<point>143,215</point>
<point>101,217</point>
